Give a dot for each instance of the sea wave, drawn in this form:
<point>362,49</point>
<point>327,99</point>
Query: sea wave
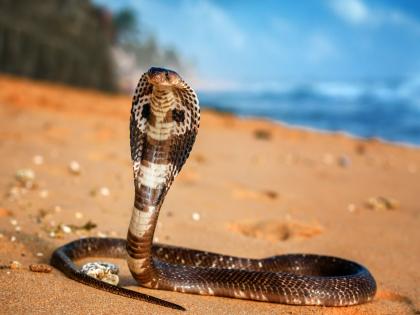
<point>350,90</point>
<point>388,109</point>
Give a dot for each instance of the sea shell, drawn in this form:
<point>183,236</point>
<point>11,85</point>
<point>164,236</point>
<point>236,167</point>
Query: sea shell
<point>103,271</point>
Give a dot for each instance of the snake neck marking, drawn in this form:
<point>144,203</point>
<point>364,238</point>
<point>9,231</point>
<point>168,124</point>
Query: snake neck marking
<point>164,121</point>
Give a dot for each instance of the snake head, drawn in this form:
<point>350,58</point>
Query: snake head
<point>161,77</point>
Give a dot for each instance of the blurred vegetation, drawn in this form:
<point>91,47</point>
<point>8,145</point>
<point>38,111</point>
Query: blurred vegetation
<point>72,41</point>
<point>57,40</point>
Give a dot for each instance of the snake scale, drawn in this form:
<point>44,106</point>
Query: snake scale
<point>164,121</point>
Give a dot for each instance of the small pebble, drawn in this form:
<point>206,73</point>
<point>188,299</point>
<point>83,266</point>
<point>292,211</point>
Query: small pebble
<point>351,207</point>
<point>262,134</point>
<point>382,203</point>
<point>18,228</point>
<point>271,194</point>
<point>74,168</point>
<point>40,268</point>
<point>13,222</point>
<point>26,177</point>
<point>344,161</point>
<point>38,159</point>
<point>199,158</point>
<point>196,216</point>
<point>360,148</point>
<point>101,234</point>
<point>44,193</point>
<point>57,209</point>
<point>39,254</point>
<point>65,228</point>
<point>78,215</point>
<point>15,265</point>
<point>1,235</point>
<point>13,238</point>
<point>104,191</point>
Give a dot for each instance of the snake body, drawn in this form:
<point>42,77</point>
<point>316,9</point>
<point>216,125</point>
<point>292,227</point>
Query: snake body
<point>164,122</point>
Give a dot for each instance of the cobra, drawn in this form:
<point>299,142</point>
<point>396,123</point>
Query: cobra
<point>164,121</point>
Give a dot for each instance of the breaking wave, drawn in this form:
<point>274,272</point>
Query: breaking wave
<point>388,109</point>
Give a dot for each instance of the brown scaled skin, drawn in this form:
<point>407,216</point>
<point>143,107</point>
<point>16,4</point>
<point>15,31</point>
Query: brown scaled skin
<point>163,78</point>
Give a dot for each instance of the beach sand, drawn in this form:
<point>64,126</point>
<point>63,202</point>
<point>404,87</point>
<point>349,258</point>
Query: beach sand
<point>251,188</point>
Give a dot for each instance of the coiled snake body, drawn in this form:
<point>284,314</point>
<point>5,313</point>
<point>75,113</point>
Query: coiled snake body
<point>164,122</point>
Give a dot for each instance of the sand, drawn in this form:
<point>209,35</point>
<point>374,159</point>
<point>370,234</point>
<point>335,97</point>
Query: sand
<point>250,188</point>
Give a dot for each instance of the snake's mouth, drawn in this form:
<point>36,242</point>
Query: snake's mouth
<point>161,77</point>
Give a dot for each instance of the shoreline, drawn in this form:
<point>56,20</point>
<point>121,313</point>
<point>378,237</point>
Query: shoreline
<point>312,129</point>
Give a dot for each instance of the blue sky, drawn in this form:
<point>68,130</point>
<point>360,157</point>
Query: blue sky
<point>239,43</point>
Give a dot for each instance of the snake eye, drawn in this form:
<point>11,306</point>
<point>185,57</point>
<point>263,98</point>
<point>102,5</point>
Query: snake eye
<point>145,112</point>
<point>178,115</point>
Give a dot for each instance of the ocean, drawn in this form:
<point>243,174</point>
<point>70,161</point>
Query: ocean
<point>387,109</point>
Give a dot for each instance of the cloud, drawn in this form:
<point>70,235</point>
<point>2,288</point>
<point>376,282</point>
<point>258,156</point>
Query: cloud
<point>191,21</point>
<point>234,44</point>
<point>352,11</point>
<point>356,12</point>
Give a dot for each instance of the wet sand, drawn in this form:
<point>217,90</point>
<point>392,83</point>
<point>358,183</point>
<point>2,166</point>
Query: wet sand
<point>251,188</point>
